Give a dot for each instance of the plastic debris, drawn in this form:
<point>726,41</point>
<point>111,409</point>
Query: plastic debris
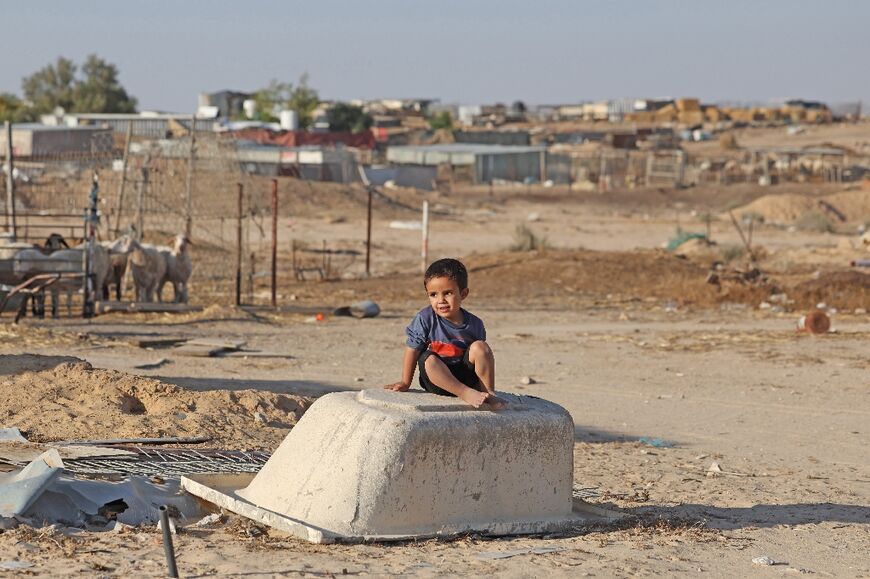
<point>173,527</point>
<point>656,442</point>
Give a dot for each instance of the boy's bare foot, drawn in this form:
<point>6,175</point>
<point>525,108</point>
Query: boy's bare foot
<point>495,403</point>
<point>397,387</point>
<point>473,397</point>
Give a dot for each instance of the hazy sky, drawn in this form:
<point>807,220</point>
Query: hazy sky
<point>461,51</point>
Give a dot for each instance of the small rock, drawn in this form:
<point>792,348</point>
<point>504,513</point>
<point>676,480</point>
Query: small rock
<point>8,523</point>
<point>119,527</point>
<point>533,217</point>
<point>767,561</point>
<point>260,418</point>
<point>714,469</point>
<point>15,565</point>
<point>528,380</point>
<point>359,379</point>
<point>860,311</point>
<point>208,520</point>
<point>765,306</point>
<point>821,306</point>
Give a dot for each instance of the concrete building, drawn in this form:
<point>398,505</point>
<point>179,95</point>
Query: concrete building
<point>31,140</point>
<point>484,162</point>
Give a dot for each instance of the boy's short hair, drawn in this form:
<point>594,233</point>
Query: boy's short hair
<point>449,268</point>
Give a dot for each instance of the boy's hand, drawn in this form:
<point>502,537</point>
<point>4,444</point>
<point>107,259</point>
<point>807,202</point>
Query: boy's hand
<point>397,387</point>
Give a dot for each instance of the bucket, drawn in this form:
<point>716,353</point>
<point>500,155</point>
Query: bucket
<point>815,322</point>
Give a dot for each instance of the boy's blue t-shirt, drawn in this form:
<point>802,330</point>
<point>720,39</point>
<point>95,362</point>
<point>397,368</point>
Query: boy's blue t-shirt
<point>430,331</point>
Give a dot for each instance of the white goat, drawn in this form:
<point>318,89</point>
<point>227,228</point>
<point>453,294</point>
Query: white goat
<point>147,267</point>
<point>178,268</point>
<point>117,267</point>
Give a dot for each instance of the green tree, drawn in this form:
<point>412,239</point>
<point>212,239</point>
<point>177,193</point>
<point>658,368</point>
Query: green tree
<point>348,118</point>
<point>304,100</point>
<point>50,87</point>
<point>283,95</point>
<point>272,99</point>
<point>441,120</point>
<point>12,109</point>
<point>99,91</point>
<point>58,85</point>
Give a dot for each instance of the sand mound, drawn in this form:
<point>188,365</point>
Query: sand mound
<point>841,289</point>
<point>566,276</point>
<point>855,205</point>
<point>63,398</point>
<point>788,208</point>
<point>779,209</point>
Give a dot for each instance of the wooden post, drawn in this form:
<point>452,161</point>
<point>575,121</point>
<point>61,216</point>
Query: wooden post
<point>369,234</point>
<point>123,177</point>
<point>10,184</point>
<point>424,253</point>
<point>239,248</point>
<point>274,243</point>
<point>188,203</point>
<point>140,201</point>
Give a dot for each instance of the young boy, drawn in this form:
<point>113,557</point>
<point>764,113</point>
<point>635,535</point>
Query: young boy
<point>448,343</point>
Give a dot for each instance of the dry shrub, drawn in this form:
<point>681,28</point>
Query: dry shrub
<point>527,240</point>
<point>815,221</point>
<point>728,142</point>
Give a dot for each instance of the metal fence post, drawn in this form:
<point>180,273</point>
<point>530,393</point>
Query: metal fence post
<point>239,248</point>
<point>424,253</point>
<point>274,243</point>
<point>123,176</point>
<point>369,233</point>
<point>91,221</point>
<point>10,183</point>
<point>188,200</point>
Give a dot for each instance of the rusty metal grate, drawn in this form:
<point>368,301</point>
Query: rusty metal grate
<point>171,463</point>
<point>585,492</point>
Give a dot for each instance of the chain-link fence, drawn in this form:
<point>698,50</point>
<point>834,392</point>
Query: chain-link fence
<point>199,184</point>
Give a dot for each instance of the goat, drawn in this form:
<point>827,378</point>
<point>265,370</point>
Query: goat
<point>147,267</point>
<point>178,268</point>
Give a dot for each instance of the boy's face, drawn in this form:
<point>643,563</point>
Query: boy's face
<point>445,297</point>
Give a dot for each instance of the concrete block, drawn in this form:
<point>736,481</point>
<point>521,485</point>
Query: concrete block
<point>387,465</point>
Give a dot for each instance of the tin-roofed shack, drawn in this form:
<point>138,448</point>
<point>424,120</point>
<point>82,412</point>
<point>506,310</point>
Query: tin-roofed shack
<point>476,162</point>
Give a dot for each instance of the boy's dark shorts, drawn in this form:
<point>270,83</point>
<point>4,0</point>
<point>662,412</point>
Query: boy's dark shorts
<point>462,371</point>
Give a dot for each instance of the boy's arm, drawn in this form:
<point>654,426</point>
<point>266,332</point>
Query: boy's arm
<point>409,364</point>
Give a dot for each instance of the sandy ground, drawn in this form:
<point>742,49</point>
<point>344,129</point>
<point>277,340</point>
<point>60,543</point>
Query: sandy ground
<point>784,415</point>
